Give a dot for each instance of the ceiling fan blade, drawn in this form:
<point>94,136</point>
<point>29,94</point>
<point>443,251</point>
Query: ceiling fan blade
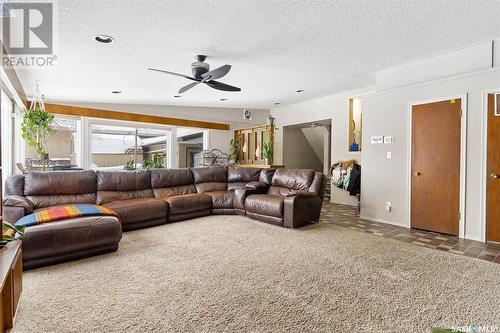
<point>172,73</point>
<point>222,86</point>
<point>216,73</point>
<point>189,86</point>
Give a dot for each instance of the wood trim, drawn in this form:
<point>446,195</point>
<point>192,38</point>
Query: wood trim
<point>127,116</point>
<point>14,79</point>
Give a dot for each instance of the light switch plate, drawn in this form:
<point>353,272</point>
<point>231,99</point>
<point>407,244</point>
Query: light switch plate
<point>388,139</point>
<point>389,154</point>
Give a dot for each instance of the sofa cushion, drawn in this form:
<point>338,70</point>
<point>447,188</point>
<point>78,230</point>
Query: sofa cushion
<point>123,180</point>
<point>243,174</point>
<point>297,179</point>
<point>172,182</point>
<point>171,177</point>
<point>181,204</point>
<point>240,177</point>
<point>222,199</point>
<point>213,174</point>
<point>137,210</point>
<point>122,185</point>
<point>46,189</point>
<point>59,182</point>
<point>69,239</point>
<point>288,181</point>
<point>265,204</point>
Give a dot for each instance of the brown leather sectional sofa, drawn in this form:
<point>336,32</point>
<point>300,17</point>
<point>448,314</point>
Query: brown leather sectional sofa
<point>285,197</point>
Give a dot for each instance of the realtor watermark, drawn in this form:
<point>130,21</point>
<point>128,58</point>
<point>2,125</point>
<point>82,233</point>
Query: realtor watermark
<point>28,34</point>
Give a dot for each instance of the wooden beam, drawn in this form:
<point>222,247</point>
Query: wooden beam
<point>127,116</point>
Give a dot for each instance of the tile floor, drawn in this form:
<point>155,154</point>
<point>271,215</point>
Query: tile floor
<point>348,217</point>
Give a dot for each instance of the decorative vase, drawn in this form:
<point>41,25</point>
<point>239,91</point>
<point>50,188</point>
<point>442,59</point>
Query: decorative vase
<point>267,161</point>
<point>257,152</point>
<point>270,120</point>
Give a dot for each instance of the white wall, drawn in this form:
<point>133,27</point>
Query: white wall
<point>298,153</point>
<point>386,112</point>
<point>334,107</point>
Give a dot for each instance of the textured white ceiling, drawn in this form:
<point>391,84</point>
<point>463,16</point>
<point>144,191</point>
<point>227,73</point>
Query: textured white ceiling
<point>275,47</point>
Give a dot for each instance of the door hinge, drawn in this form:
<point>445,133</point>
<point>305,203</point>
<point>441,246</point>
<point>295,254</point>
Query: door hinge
<point>459,216</point>
<point>461,113</point>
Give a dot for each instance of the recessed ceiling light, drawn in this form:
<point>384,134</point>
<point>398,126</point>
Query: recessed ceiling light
<point>177,96</point>
<point>223,99</point>
<point>116,92</point>
<point>105,39</point>
<point>276,103</point>
<point>300,90</point>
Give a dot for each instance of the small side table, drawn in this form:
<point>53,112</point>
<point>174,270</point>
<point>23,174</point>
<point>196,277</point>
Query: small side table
<point>11,278</point>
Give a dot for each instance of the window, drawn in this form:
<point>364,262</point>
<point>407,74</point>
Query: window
<point>355,112</point>
<point>189,145</point>
<point>61,146</point>
<point>123,147</point>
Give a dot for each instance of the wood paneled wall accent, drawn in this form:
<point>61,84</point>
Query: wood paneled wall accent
<point>253,137</point>
<point>118,115</point>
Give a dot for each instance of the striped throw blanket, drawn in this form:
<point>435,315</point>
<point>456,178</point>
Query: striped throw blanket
<point>64,212</point>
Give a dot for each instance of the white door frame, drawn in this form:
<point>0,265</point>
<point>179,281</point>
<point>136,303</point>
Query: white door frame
<point>484,161</point>
<point>463,156</point>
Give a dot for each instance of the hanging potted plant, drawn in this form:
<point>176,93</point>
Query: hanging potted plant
<point>267,152</point>
<point>36,125</point>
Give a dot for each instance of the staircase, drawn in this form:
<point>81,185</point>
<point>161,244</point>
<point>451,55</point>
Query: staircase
<point>328,188</point>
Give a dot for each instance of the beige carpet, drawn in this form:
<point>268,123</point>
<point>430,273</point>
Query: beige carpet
<point>232,274</point>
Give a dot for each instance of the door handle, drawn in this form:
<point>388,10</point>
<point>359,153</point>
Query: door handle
<point>494,176</point>
<point>416,173</point>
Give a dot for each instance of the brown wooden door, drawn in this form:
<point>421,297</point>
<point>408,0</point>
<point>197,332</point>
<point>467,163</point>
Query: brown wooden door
<point>435,185</point>
<point>493,171</point>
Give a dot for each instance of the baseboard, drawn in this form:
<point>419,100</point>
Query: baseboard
<point>405,226</point>
<point>382,221</point>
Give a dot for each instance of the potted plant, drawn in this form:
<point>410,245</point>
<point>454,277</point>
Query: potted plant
<point>155,162</point>
<point>233,151</point>
<point>35,126</point>
<point>10,232</point>
<point>267,152</point>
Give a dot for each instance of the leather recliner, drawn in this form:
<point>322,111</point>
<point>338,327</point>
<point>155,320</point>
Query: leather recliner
<point>286,197</point>
<point>293,199</point>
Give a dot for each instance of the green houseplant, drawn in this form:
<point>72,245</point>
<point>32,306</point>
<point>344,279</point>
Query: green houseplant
<point>35,126</point>
<point>155,162</point>
<point>129,165</point>
<point>233,151</point>
<point>267,152</point>
<point>11,232</point>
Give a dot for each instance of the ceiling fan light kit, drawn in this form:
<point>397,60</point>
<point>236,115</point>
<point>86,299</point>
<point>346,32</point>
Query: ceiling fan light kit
<point>202,74</point>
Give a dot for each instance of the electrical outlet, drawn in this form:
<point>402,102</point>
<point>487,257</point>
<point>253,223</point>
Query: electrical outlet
<point>389,154</point>
<point>388,206</point>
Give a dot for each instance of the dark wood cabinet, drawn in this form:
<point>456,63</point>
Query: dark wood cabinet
<point>11,274</point>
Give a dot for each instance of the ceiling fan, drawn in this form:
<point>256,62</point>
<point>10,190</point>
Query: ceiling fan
<point>202,74</point>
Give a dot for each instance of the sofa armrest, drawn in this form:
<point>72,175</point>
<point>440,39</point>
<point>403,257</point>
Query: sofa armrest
<point>256,185</point>
<point>303,194</point>
<point>18,201</point>
<point>15,207</point>
<point>301,210</point>
<point>241,194</point>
